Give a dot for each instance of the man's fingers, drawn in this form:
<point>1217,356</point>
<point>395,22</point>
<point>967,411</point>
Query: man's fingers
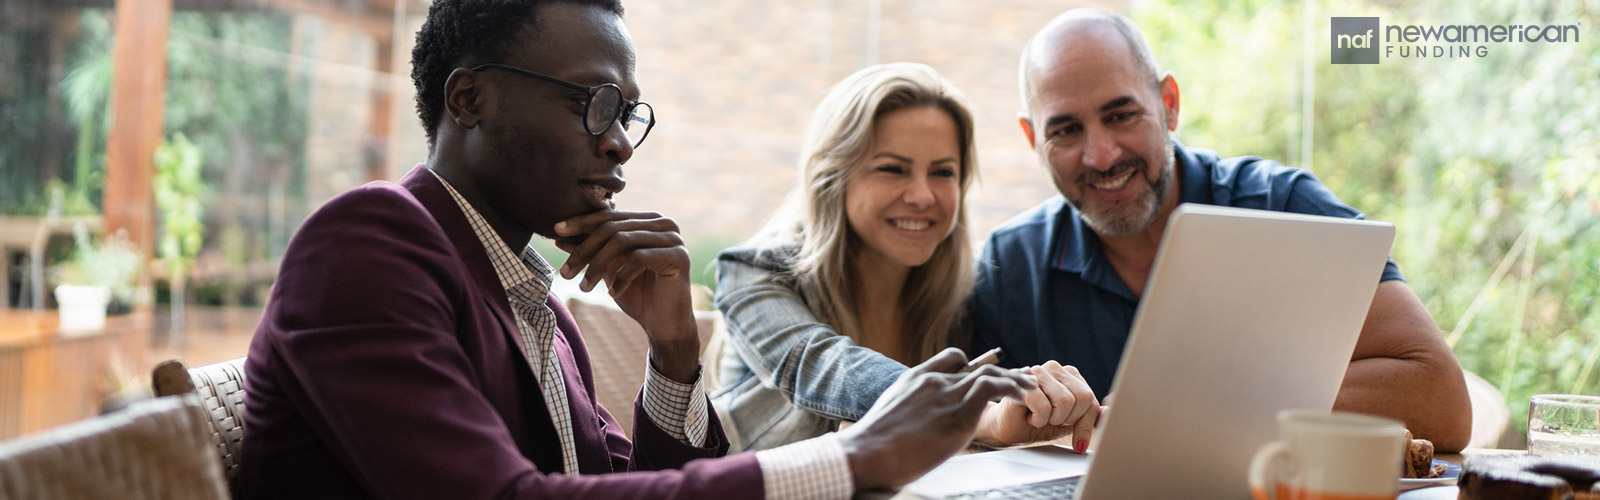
<point>587,223</point>
<point>602,234</point>
<point>656,261</point>
<point>622,247</point>
<point>625,276</point>
<point>600,270</point>
<point>949,360</point>
<point>607,236</point>
<point>1024,381</point>
<point>984,388</point>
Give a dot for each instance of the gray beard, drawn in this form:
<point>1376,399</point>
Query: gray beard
<point>1120,221</point>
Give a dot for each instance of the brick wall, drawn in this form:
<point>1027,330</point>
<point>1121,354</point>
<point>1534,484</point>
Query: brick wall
<point>733,83</point>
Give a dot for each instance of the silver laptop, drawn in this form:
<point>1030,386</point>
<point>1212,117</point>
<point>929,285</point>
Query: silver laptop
<point>1247,312</point>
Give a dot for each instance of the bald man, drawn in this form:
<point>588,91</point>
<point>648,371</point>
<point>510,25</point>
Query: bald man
<point>1062,280</point>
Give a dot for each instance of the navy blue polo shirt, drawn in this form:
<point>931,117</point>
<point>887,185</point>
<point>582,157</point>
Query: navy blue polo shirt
<point>1045,291</point>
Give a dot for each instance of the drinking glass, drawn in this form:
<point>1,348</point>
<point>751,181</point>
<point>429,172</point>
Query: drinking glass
<point>1562,425</point>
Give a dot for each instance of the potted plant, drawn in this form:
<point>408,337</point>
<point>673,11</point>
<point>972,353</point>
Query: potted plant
<point>91,277</point>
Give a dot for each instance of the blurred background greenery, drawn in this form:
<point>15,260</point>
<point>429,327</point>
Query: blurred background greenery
<point>1488,166</point>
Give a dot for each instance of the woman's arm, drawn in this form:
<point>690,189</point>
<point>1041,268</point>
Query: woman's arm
<point>780,340</point>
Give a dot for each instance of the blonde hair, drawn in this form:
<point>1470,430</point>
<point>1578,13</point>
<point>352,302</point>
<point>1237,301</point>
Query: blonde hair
<point>836,142</point>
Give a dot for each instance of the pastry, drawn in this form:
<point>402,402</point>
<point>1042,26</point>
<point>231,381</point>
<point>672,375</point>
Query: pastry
<point>1419,459</point>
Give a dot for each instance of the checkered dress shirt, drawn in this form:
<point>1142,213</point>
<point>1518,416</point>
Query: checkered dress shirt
<point>816,468</point>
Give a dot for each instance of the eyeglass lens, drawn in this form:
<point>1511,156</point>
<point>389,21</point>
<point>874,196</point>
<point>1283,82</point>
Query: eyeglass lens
<point>605,107</point>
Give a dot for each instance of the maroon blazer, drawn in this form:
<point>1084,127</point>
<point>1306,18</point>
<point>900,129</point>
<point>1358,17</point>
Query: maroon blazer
<point>386,366</point>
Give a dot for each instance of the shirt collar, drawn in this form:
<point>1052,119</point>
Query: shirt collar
<point>1196,177</point>
<point>532,277</point>
<point>1076,247</point>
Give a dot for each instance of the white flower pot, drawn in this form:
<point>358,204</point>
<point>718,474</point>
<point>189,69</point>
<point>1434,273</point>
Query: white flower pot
<point>82,308</point>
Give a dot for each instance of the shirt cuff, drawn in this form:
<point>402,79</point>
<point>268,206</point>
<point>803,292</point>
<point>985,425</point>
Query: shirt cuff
<point>679,409</point>
<point>814,468</point>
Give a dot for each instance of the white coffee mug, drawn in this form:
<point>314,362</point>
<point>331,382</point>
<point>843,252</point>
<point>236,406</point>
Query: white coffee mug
<point>1330,456</point>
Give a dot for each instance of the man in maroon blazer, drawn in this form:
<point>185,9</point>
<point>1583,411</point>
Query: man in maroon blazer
<point>411,348</point>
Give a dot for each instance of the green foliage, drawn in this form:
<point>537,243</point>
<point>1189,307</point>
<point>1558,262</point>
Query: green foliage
<point>114,263</point>
<point>67,200</point>
<point>703,258</point>
<point>86,90</point>
<point>231,87</point>
<point>179,191</point>
<point>1487,165</point>
<point>235,90</point>
<point>31,149</point>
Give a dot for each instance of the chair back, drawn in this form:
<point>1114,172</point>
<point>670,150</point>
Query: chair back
<point>617,349</point>
<point>1490,416</point>
<point>220,387</point>
<point>154,449</point>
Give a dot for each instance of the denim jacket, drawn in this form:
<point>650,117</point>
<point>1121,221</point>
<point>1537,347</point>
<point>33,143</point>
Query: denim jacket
<point>785,376</point>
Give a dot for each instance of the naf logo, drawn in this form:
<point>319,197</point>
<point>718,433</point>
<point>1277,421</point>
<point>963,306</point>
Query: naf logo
<point>1355,40</point>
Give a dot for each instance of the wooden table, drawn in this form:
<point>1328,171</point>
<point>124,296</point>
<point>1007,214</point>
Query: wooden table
<point>48,379</point>
<point>1428,493</point>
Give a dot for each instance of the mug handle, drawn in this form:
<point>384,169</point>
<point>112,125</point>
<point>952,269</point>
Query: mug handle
<point>1264,471</point>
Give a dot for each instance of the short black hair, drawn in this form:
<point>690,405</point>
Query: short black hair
<point>465,33</point>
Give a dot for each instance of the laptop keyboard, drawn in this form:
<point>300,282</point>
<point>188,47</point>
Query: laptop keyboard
<point>1055,489</point>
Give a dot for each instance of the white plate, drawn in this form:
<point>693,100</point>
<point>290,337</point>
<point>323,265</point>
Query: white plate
<point>1449,477</point>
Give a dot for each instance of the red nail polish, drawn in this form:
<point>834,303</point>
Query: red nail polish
<point>1081,446</point>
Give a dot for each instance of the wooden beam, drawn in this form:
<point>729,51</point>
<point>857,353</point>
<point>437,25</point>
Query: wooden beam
<point>138,96</point>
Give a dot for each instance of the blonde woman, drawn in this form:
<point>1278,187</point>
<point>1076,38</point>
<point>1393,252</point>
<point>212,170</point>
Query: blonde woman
<point>864,272</point>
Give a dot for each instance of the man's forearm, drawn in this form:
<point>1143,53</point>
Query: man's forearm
<point>1429,395</point>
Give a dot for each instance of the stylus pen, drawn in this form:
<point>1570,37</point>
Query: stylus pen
<point>988,358</point>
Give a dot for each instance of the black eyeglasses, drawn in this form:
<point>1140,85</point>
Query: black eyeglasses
<point>604,107</point>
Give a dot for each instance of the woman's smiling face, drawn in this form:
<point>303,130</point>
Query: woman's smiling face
<point>902,198</point>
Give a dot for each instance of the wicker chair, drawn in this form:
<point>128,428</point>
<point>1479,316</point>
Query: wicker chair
<point>154,449</point>
<point>220,387</point>
<point>617,349</point>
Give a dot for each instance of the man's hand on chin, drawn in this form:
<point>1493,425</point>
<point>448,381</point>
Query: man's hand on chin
<point>641,258</point>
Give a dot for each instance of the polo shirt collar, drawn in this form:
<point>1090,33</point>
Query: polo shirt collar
<point>1076,247</point>
<point>1196,186</point>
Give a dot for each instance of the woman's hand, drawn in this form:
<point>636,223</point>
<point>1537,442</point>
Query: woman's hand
<point>1061,404</point>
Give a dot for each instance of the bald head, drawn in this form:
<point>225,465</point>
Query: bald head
<point>1053,47</point>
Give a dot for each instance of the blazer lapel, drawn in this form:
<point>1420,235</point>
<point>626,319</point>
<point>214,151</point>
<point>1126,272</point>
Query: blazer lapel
<point>437,200</point>
<point>433,196</point>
